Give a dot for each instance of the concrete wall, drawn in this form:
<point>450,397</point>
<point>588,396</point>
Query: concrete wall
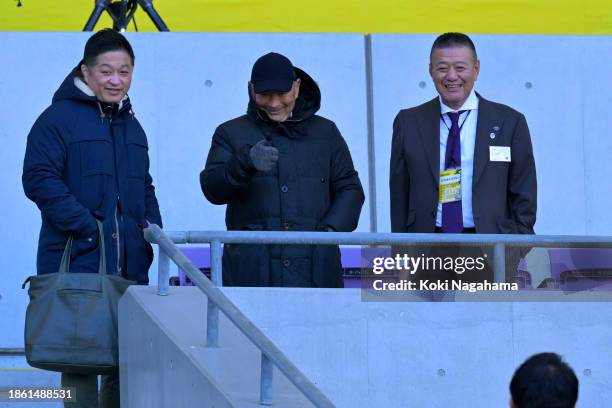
<point>186,84</point>
<point>365,354</point>
<point>165,361</point>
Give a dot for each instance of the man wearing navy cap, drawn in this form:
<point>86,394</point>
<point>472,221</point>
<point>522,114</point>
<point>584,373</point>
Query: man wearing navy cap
<point>281,167</point>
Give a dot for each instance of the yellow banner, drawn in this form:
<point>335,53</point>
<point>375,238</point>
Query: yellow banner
<point>359,16</point>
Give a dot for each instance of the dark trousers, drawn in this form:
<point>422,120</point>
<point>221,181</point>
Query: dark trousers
<point>438,271</point>
<point>513,257</point>
<point>87,395</point>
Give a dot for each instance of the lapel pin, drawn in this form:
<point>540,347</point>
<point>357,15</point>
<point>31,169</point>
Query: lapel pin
<point>492,135</point>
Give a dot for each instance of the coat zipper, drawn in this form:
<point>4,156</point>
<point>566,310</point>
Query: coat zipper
<point>117,234</point>
<point>118,238</point>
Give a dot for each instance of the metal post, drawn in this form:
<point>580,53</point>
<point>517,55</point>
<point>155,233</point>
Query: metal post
<point>147,6</point>
<point>122,20</point>
<point>499,262</point>
<point>369,86</point>
<point>265,384</point>
<point>163,273</point>
<point>212,325</point>
<point>212,315</point>
<point>216,270</point>
<point>95,14</point>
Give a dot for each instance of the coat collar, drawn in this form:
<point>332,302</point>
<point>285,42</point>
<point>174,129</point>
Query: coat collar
<point>83,87</point>
<point>428,124</point>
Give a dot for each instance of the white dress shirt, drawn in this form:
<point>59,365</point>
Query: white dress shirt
<point>467,123</point>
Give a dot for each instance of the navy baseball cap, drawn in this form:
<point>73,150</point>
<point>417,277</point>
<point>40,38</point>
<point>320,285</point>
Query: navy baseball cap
<point>272,73</point>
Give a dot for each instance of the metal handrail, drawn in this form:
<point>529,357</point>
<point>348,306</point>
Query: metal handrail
<point>270,354</point>
<point>12,351</point>
<point>386,238</point>
<point>499,241</point>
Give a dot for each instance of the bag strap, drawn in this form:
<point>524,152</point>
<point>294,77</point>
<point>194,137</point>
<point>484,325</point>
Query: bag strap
<point>65,262</point>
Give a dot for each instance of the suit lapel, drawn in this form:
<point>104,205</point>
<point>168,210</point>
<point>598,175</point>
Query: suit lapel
<point>429,132</point>
<point>488,122</point>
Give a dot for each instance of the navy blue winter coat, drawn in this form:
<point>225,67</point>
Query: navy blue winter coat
<point>83,162</point>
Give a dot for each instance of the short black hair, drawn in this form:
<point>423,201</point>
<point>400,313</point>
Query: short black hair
<point>449,40</point>
<point>544,380</point>
<point>104,41</point>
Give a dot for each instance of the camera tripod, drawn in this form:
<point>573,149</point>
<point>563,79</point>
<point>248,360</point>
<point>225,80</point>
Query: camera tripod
<point>122,12</point>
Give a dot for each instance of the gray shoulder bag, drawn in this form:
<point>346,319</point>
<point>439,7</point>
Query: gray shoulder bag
<point>71,320</point>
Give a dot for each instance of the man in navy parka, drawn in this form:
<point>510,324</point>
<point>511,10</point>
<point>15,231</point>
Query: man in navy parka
<point>87,159</point>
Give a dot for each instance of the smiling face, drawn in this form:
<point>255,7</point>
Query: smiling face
<point>277,105</point>
<point>110,76</point>
<point>454,71</point>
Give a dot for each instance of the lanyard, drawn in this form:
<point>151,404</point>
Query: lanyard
<point>462,123</point>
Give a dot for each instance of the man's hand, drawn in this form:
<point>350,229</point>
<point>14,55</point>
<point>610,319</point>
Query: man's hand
<point>263,155</point>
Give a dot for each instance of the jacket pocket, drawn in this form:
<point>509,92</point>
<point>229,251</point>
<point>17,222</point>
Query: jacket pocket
<point>96,157</point>
<point>314,196</point>
<point>138,155</point>
<point>85,254</point>
<point>410,217</point>
<point>507,226</point>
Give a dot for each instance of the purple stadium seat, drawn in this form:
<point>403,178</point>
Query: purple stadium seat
<point>200,258</point>
<point>581,268</point>
<point>350,258</point>
<point>351,266</point>
<point>523,277</point>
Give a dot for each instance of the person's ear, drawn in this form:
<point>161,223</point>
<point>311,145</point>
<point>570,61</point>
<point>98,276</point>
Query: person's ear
<point>86,72</point>
<point>251,90</point>
<point>296,87</point>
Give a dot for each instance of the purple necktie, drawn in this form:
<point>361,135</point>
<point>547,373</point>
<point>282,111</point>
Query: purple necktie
<point>452,215</point>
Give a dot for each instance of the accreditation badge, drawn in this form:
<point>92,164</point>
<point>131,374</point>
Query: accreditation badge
<point>450,186</point>
<point>500,153</point>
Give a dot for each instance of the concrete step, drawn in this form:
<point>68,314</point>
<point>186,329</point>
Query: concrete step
<point>162,348</point>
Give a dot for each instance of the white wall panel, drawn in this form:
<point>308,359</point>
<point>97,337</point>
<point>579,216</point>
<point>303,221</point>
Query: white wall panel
<point>596,61</point>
